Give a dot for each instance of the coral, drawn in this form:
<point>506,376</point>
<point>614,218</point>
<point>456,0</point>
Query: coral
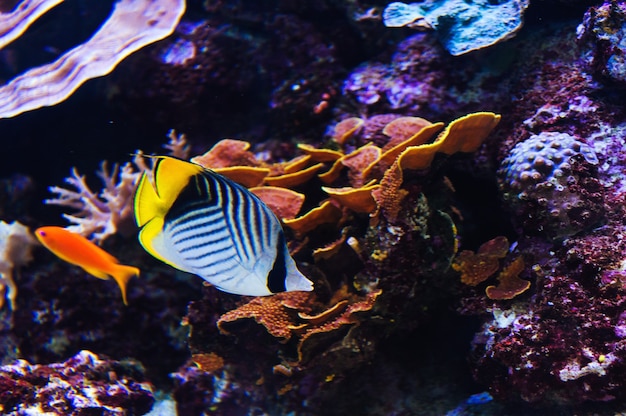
<point>565,346</point>
<point>16,244</point>
<point>13,24</point>
<point>509,284</point>
<point>131,26</point>
<point>603,33</point>
<point>85,383</point>
<point>477,267</point>
<point>284,202</point>
<point>461,26</point>
<point>549,183</point>
<point>100,215</point>
<point>273,312</point>
<point>346,128</point>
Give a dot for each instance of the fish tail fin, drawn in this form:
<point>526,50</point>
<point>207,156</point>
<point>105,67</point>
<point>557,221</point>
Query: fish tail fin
<point>122,274</point>
<point>295,280</point>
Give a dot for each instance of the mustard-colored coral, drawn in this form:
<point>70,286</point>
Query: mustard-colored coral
<point>477,267</point>
<point>509,283</point>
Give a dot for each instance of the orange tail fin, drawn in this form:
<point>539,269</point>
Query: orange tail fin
<point>122,274</point>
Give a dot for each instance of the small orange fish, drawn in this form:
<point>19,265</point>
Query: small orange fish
<point>77,250</point>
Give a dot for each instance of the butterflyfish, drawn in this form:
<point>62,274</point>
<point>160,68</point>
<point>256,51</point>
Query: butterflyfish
<point>202,223</point>
<point>77,250</point>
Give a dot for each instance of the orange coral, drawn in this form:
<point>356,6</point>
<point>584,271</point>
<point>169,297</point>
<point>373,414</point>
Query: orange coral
<point>320,155</point>
<point>346,129</point>
<point>477,267</point>
<point>298,177</point>
<point>389,196</point>
<point>392,153</point>
<point>247,176</point>
<point>467,133</point>
<point>209,362</point>
<point>464,134</point>
<point>329,250</point>
<point>297,314</point>
<point>324,214</point>
<point>285,203</point>
<point>227,153</point>
<point>357,161</point>
<point>344,313</point>
<point>356,199</point>
<point>402,129</point>
<point>509,283</point>
<point>269,311</point>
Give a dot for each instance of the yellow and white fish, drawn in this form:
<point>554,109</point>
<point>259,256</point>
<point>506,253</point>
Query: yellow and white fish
<point>203,223</point>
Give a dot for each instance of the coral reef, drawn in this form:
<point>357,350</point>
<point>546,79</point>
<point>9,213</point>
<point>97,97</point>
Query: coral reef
<point>84,384</point>
<point>464,262</point>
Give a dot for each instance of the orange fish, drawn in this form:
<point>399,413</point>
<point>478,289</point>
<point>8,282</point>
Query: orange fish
<point>77,250</point>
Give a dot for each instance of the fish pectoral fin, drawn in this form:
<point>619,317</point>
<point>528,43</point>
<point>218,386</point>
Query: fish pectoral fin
<point>97,273</point>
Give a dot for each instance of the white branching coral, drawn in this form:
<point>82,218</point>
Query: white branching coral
<point>16,245</point>
<point>98,215</point>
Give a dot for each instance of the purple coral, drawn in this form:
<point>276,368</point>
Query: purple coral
<point>84,384</point>
<point>548,182</point>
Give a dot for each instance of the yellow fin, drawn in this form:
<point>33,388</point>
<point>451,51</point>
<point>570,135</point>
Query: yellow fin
<point>147,235</point>
<point>146,204</point>
<point>122,274</point>
<point>155,197</point>
<point>171,176</point>
<point>96,272</point>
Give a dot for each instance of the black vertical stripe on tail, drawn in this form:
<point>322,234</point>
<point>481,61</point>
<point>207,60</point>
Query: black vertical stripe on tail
<point>278,275</point>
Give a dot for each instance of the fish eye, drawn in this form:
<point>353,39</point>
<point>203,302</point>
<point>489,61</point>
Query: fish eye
<point>42,233</point>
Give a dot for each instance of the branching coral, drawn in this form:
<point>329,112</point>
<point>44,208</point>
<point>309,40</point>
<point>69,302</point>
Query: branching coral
<point>132,25</point>
<point>99,215</point>
<point>102,214</point>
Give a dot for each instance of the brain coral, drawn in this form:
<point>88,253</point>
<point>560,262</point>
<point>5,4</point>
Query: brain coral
<point>548,182</point>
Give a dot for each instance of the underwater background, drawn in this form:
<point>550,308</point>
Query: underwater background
<point>449,174</point>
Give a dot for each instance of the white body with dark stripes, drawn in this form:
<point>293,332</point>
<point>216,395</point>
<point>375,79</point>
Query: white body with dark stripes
<point>223,233</point>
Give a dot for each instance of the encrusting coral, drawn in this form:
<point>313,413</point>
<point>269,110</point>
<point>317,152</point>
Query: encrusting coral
<point>548,182</point>
<point>461,26</point>
<point>83,384</point>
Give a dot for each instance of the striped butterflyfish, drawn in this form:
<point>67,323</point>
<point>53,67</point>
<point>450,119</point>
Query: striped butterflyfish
<point>203,223</point>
